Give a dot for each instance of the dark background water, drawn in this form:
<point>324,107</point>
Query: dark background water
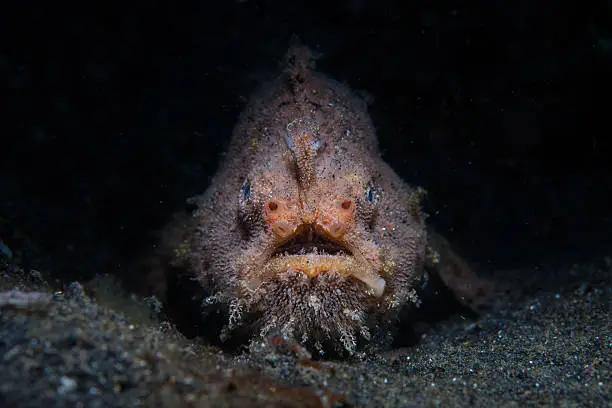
<point>113,114</point>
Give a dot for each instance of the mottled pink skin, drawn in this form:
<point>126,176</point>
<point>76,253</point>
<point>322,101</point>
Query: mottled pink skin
<point>304,162</point>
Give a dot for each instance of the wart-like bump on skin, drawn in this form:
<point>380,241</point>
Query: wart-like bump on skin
<point>301,209</point>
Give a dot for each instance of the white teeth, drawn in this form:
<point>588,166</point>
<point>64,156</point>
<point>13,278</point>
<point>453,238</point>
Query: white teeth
<point>376,284</point>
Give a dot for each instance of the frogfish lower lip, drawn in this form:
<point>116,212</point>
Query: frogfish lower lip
<point>314,264</point>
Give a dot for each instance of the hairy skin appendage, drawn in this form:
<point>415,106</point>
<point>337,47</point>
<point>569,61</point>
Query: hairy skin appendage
<point>305,229</point>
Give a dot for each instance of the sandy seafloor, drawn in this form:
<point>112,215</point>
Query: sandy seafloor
<point>548,347</point>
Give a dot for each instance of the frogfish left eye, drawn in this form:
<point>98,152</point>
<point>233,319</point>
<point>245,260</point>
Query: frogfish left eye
<point>246,191</point>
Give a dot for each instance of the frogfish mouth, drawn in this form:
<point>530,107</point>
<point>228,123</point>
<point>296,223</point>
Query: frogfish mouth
<point>305,229</point>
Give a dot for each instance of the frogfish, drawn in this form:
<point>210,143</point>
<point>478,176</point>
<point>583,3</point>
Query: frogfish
<point>305,230</point>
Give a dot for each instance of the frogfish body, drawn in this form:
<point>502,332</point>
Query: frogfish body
<point>304,228</point>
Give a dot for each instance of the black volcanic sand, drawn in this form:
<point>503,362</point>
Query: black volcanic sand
<point>549,346</point>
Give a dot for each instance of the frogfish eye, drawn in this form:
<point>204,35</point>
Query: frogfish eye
<point>246,191</point>
<point>371,195</point>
